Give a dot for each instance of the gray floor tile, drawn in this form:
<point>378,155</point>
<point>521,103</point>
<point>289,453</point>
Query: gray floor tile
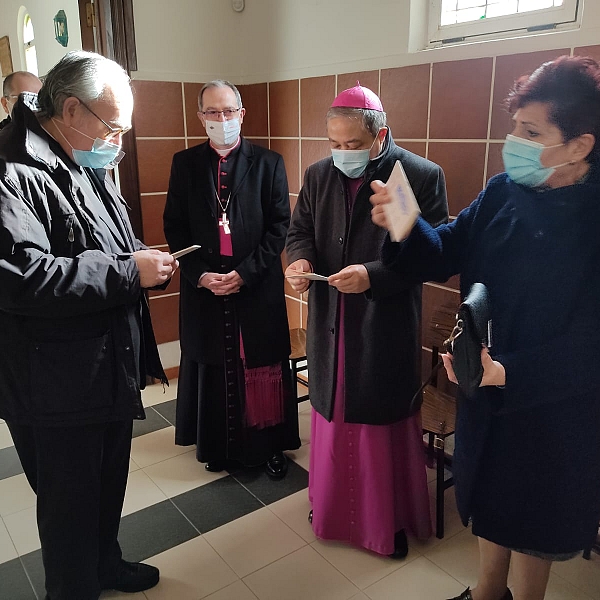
<point>269,490</point>
<point>216,503</point>
<point>15,585</point>
<point>167,410</point>
<point>153,422</point>
<point>10,465</point>
<point>153,530</point>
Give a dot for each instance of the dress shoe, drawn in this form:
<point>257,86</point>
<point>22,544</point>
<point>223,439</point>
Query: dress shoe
<point>131,577</point>
<point>215,466</point>
<point>276,467</point>
<point>466,595</point>
<point>400,545</point>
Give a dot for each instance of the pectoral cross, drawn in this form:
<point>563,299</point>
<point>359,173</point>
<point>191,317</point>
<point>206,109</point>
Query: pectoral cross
<point>224,223</point>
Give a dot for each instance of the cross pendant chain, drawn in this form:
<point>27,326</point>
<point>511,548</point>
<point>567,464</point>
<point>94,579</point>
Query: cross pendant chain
<point>224,223</point>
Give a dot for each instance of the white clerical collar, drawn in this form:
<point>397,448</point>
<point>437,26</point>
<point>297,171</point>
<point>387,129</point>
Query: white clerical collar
<point>225,151</point>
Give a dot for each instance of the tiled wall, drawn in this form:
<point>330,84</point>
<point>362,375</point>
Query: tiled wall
<point>449,112</point>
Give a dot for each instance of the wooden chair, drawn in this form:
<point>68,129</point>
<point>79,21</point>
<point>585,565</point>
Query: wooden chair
<point>298,361</point>
<point>438,411</point>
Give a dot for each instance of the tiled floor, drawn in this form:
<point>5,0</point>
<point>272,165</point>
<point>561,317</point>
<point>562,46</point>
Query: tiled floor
<point>241,536</point>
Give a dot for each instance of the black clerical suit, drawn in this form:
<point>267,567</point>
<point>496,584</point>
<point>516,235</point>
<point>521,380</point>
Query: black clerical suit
<point>253,193</point>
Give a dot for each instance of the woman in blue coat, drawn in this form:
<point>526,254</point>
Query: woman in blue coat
<point>527,458</point>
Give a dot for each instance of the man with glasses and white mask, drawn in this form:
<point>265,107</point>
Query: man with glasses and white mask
<point>77,342</point>
<point>234,400</point>
<point>15,84</point>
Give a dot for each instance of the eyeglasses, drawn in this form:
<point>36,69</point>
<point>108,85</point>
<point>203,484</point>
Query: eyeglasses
<point>228,113</point>
<point>113,132</point>
<point>11,96</point>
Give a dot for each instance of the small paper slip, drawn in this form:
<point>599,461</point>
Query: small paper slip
<point>185,251</point>
<point>402,212</point>
<point>312,276</point>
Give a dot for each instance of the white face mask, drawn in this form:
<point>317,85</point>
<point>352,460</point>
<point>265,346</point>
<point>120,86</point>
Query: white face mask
<point>352,163</point>
<point>223,133</point>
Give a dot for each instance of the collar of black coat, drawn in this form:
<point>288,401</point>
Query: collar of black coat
<point>26,135</point>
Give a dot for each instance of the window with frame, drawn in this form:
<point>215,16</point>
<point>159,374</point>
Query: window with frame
<point>31,63</point>
<point>460,20</point>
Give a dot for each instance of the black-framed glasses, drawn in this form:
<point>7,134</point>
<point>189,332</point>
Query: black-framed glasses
<point>228,113</point>
<point>113,131</point>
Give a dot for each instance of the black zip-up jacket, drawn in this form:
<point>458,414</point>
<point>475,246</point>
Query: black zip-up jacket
<point>76,342</point>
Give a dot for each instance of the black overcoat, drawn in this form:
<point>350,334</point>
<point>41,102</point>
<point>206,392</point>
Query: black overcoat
<point>259,214</point>
<point>382,326</point>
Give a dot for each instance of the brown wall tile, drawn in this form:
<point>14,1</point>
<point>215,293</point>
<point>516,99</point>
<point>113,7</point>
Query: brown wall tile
<point>313,151</point>
<point>593,51</point>
<point>463,165</point>
<point>460,98</point>
<point>284,108</point>
<point>158,109</point>
<point>495,163</point>
<point>316,96</point>
<point>154,162</point>
<point>508,69</point>
<point>254,98</point>
<point>290,152</point>
<point>414,147</point>
<point>152,221</point>
<point>405,97</point>
<point>293,311</point>
<point>194,125</point>
<point>165,318</point>
<point>368,79</point>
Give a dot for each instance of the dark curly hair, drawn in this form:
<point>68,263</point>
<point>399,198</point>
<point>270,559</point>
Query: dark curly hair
<point>570,85</point>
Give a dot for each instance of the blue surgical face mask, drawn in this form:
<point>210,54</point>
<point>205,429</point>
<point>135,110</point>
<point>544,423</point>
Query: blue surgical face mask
<point>522,161</point>
<point>352,163</point>
<point>102,155</point>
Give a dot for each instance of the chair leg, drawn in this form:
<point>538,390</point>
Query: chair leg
<point>294,367</point>
<point>439,489</point>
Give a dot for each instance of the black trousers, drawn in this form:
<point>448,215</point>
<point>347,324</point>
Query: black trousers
<point>79,475</point>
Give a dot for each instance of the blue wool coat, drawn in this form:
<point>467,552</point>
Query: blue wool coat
<point>527,458</point>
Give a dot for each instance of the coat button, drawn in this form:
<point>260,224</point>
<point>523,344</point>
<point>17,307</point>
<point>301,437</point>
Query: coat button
<point>340,241</point>
<point>331,330</point>
<point>210,251</point>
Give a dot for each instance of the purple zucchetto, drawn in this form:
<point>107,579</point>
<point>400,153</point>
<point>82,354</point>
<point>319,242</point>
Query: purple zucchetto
<point>358,97</point>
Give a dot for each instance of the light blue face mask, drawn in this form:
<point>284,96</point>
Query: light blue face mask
<point>102,155</point>
<point>352,163</point>
<point>522,161</point>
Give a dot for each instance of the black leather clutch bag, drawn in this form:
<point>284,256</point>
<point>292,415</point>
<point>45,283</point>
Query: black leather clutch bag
<point>471,333</point>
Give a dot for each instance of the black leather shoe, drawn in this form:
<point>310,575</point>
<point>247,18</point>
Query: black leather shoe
<point>400,545</point>
<point>466,595</point>
<point>215,466</point>
<point>131,577</point>
<point>277,467</point>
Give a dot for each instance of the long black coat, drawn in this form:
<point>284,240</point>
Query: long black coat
<point>382,326</point>
<point>75,332</point>
<point>259,218</point>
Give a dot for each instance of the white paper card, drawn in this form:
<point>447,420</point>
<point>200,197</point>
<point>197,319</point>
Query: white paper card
<point>312,276</point>
<point>185,251</point>
<point>402,212</point>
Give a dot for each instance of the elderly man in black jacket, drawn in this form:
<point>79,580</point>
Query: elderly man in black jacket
<point>367,471</point>
<point>77,342</point>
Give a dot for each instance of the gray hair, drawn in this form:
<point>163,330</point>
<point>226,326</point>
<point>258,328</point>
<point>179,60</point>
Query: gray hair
<point>372,120</point>
<point>219,83</point>
<point>85,75</point>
